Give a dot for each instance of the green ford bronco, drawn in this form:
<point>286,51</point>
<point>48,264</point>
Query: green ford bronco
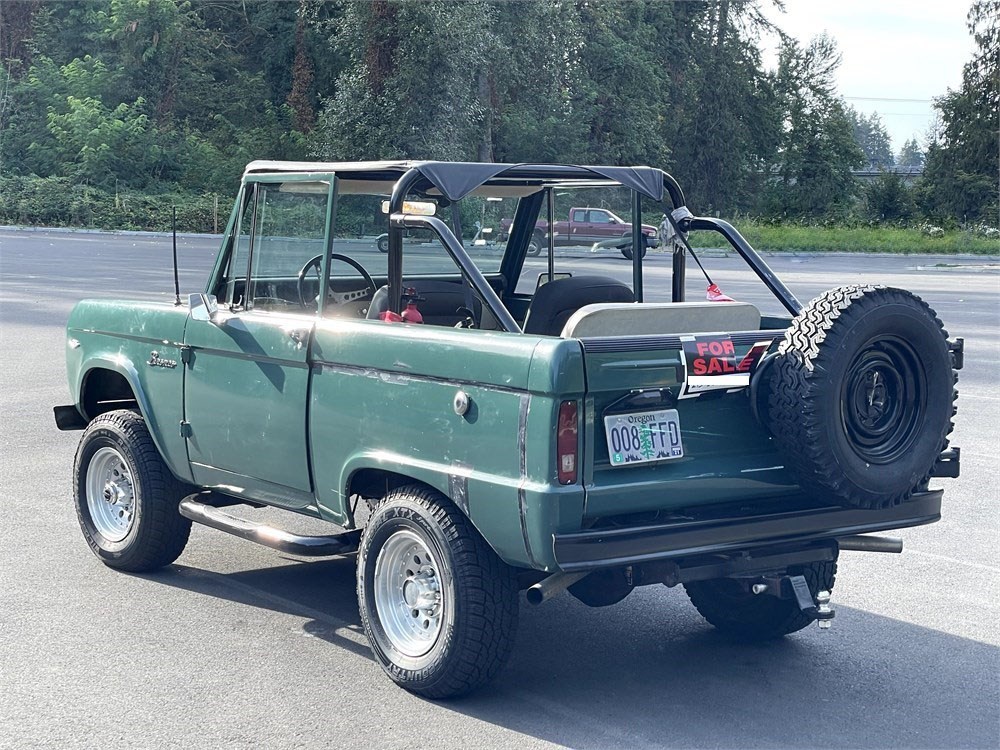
<point>473,422</point>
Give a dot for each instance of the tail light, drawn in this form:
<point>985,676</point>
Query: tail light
<point>567,440</point>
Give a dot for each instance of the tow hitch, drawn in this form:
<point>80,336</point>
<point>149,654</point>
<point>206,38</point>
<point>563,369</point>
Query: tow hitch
<point>796,588</point>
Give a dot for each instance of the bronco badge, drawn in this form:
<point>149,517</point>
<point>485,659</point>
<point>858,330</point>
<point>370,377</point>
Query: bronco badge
<point>155,360</point>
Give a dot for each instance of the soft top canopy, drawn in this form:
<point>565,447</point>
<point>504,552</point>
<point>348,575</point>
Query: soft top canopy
<point>455,180</point>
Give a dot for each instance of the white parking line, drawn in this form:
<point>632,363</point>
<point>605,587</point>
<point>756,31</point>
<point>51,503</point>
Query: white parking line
<point>945,558</point>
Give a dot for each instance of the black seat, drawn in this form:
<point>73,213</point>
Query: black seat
<point>556,301</point>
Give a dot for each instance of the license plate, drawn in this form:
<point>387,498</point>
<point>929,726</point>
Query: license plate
<point>643,436</point>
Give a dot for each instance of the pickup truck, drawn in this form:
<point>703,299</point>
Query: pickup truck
<point>467,441</point>
<point>586,226</point>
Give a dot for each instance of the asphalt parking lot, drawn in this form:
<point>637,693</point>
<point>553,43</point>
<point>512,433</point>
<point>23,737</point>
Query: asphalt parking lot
<point>239,646</point>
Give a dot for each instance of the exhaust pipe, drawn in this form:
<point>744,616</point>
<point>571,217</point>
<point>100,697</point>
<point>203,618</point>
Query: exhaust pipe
<point>864,543</point>
<point>554,584</point>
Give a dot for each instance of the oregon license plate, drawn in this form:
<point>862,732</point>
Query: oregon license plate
<point>644,436</point>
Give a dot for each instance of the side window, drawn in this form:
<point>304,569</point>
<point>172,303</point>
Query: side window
<point>599,217</point>
<point>580,216</point>
<point>289,231</point>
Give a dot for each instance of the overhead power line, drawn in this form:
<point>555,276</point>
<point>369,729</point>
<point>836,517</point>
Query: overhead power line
<point>887,99</point>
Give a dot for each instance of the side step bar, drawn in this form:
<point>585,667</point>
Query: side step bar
<point>200,508</point>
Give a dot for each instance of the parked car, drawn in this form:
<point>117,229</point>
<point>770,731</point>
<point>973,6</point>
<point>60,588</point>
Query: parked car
<point>587,226</point>
<point>468,440</point>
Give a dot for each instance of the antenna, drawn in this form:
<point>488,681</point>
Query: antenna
<point>177,283</point>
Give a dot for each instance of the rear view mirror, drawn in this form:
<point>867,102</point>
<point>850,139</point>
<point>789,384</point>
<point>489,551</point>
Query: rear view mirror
<point>202,306</point>
<point>414,208</point>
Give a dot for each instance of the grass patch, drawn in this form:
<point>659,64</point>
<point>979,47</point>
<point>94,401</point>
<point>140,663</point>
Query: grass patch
<point>900,240</point>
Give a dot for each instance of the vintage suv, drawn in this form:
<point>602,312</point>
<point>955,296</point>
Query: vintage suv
<point>474,426</point>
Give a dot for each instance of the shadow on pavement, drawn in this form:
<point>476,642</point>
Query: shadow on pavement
<point>649,672</point>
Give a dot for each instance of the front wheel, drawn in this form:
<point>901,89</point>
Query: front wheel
<point>438,606</point>
<point>126,498</point>
<point>732,607</point>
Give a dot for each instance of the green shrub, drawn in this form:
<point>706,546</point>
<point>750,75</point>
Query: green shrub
<point>61,202</point>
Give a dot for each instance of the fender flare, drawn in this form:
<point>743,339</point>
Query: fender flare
<point>451,480</point>
<point>123,366</point>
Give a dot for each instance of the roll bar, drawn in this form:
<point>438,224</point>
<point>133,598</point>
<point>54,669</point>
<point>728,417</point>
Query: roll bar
<point>458,254</point>
<point>412,177</point>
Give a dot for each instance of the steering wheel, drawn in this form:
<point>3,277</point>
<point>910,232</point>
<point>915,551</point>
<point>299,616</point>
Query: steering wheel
<point>338,297</point>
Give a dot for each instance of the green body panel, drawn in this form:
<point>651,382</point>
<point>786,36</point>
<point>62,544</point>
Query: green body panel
<point>245,398</point>
<point>382,398</point>
<point>727,454</point>
<point>121,336</point>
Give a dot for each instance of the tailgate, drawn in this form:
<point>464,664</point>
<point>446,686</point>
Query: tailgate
<point>661,388</point>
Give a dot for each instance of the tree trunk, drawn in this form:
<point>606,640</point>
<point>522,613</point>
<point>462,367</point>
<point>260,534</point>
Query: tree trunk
<point>484,85</point>
<point>300,98</point>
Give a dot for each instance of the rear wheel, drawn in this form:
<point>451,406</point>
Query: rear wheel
<point>536,243</point>
<point>126,498</point>
<point>731,606</point>
<point>627,252</point>
<point>438,606</point>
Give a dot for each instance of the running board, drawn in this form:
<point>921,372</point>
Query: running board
<point>200,508</point>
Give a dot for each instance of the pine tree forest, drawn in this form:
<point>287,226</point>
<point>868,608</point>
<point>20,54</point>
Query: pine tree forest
<point>113,111</point>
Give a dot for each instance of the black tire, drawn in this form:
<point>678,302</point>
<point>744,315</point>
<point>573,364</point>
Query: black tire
<point>536,243</point>
<point>862,395</point>
<point>731,607</point>
<point>477,608</point>
<point>627,252</point>
<point>157,533</point>
<point>382,243</point>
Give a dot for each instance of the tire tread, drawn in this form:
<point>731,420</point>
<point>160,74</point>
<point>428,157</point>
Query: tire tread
<point>163,531</point>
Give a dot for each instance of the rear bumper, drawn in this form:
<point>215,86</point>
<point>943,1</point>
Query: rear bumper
<point>587,550</point>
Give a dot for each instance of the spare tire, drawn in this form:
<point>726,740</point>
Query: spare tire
<point>862,395</point>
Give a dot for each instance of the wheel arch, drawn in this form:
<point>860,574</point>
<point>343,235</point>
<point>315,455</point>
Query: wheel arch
<point>105,382</point>
<point>375,475</point>
<point>108,383</point>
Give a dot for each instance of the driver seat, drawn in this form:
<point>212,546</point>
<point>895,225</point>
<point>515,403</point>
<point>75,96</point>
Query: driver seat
<point>379,303</point>
<point>556,301</point>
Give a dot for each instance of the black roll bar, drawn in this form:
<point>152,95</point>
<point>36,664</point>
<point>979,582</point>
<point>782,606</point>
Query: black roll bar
<point>395,260</point>
<point>638,245</point>
<point>413,176</point>
<point>398,221</point>
<point>750,255</point>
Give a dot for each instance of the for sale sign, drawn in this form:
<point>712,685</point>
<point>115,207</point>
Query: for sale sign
<point>712,363</point>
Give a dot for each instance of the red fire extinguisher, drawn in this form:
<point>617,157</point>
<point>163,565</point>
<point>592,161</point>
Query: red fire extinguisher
<point>411,314</point>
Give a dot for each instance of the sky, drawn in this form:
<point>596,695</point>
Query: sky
<point>897,56</point>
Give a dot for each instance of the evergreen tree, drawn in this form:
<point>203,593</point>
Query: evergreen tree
<point>818,149</point>
<point>872,137</point>
<point>960,175</point>
<point>910,155</point>
<point>727,118</point>
<point>410,88</point>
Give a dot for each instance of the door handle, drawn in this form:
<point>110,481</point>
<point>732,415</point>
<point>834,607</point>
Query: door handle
<point>298,335</point>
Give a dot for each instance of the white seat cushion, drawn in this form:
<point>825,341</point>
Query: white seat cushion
<point>637,319</point>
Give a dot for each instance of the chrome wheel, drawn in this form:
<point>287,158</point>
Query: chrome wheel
<point>408,594</point>
<point>110,494</point>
